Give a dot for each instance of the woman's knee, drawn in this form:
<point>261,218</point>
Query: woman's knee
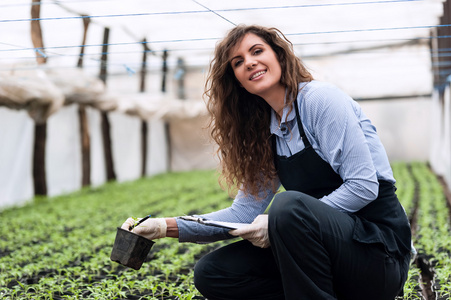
<point>201,277</point>
<point>285,203</point>
<point>290,208</point>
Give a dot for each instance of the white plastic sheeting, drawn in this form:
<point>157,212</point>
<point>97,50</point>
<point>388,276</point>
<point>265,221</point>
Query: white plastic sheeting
<point>405,130</point>
<point>357,45</point>
<point>32,91</point>
<point>16,146</point>
<point>43,93</point>
<point>403,125</point>
<point>440,135</point>
<point>76,85</point>
<point>191,147</point>
<point>159,106</point>
<point>63,158</point>
<point>189,30</point>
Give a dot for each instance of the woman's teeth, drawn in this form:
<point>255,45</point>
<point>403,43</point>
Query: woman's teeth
<point>257,74</point>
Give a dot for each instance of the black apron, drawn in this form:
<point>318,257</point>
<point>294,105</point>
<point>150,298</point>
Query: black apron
<point>382,221</point>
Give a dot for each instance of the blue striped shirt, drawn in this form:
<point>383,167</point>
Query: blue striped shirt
<point>339,132</point>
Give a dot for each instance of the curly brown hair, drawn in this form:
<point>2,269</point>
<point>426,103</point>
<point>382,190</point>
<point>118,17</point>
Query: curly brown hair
<point>240,120</point>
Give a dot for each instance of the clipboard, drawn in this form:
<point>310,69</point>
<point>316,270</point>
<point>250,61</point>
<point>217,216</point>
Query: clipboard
<point>220,224</point>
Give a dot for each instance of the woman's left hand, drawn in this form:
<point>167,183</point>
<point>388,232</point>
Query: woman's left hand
<point>256,232</point>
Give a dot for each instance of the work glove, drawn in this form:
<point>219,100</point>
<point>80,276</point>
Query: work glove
<point>256,232</point>
<point>150,229</point>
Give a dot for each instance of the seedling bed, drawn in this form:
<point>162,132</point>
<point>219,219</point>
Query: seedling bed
<point>423,197</point>
<point>59,248</point>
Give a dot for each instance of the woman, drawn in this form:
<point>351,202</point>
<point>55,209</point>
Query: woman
<point>339,231</point>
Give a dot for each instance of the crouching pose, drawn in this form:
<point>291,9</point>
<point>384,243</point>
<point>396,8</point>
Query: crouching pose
<point>338,231</point>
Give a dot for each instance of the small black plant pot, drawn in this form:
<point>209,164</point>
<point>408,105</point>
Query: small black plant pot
<point>130,249</point>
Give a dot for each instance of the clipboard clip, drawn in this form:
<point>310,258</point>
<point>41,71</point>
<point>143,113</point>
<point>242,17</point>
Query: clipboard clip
<point>220,224</point>
<point>193,218</point>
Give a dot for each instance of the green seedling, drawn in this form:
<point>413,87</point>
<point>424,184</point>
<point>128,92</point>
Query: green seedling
<point>70,259</point>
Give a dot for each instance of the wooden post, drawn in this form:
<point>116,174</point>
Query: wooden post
<point>85,140</point>
<point>86,22</point>
<point>40,130</point>
<point>104,56</point>
<point>435,59</point>
<point>180,77</point>
<point>106,136</point>
<point>446,41</point>
<point>144,125</point>
<point>36,33</point>
<point>167,129</point>
<point>142,86</point>
<point>164,70</point>
<point>85,144</point>
<point>442,31</point>
<point>39,174</point>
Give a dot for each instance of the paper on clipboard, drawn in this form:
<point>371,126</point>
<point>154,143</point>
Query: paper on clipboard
<point>222,224</point>
<point>228,225</point>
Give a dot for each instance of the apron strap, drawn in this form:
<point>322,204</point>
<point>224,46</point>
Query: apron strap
<point>300,127</point>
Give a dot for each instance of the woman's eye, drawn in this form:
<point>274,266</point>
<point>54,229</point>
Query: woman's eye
<point>237,63</point>
<point>258,51</point>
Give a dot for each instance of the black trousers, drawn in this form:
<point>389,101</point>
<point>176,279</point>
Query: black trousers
<point>312,257</point>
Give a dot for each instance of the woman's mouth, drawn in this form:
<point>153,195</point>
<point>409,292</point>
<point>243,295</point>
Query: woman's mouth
<point>257,74</point>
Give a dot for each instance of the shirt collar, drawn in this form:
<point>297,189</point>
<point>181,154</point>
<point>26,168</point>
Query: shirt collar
<point>287,116</point>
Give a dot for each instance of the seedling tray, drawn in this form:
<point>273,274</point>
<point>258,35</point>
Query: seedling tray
<point>130,249</point>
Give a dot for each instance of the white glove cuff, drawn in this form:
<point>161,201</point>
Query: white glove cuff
<point>162,227</point>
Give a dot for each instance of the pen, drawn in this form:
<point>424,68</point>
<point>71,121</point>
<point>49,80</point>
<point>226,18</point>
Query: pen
<point>139,222</point>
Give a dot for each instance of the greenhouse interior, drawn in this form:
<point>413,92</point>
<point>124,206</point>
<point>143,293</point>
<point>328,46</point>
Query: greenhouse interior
<point>104,116</point>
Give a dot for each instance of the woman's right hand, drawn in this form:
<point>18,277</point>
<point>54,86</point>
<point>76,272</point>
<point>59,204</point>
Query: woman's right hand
<point>256,232</point>
<point>150,229</point>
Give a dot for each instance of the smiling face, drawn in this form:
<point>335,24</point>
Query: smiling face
<point>257,68</point>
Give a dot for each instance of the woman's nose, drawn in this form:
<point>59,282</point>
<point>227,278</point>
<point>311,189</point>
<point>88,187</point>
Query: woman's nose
<point>250,64</point>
